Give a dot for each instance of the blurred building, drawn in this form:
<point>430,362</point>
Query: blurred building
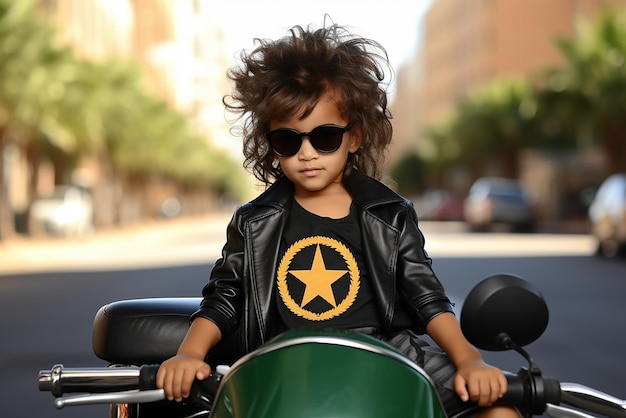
<point>95,29</point>
<point>177,44</point>
<point>179,47</point>
<point>466,44</point>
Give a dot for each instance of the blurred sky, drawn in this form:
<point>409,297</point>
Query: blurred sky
<point>393,23</point>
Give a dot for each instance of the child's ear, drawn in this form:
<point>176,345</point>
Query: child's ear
<point>356,139</point>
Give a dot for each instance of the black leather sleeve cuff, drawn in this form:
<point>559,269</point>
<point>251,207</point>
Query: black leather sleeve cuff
<point>434,308</point>
<point>222,323</point>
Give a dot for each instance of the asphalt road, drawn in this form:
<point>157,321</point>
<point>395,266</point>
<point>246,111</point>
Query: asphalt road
<point>47,307</point>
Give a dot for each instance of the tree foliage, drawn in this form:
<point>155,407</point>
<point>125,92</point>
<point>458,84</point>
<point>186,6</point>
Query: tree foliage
<point>586,98</point>
<point>589,92</point>
<point>55,106</point>
<point>493,123</point>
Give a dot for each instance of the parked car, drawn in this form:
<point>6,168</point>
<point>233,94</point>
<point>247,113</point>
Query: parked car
<point>439,205</point>
<point>495,201</point>
<point>607,214</point>
<point>67,211</point>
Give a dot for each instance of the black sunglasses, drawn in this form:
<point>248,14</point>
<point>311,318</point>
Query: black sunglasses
<point>286,142</point>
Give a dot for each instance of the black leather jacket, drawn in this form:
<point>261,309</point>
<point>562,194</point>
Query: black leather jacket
<point>239,296</point>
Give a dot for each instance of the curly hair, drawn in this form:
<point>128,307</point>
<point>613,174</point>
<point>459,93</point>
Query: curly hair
<point>283,78</point>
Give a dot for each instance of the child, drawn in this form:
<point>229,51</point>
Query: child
<point>326,244</point>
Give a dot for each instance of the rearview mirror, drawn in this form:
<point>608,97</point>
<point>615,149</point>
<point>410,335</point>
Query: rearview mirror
<point>503,311</point>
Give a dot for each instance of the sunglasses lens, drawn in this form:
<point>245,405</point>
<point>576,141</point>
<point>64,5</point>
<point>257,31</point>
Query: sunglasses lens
<point>284,142</point>
<point>326,138</point>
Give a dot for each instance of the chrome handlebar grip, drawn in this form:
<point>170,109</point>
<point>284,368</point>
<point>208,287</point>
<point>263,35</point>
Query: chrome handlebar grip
<point>98,379</point>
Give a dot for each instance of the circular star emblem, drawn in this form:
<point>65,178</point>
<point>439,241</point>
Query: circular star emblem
<point>316,281</point>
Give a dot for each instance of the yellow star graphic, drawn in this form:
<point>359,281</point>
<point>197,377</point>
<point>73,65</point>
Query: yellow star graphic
<point>318,280</point>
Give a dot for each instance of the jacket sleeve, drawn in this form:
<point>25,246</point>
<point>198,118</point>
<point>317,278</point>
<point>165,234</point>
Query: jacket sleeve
<point>223,294</point>
<point>417,282</point>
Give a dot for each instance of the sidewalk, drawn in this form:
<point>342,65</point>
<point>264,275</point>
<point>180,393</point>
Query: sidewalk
<point>187,240</point>
<point>152,243</point>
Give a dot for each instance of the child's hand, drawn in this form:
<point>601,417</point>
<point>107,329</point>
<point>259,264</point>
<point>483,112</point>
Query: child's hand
<point>479,382</point>
<point>176,375</point>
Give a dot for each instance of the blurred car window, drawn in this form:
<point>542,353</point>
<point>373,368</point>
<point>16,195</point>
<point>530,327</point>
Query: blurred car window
<point>439,205</point>
<point>607,215</point>
<point>493,201</point>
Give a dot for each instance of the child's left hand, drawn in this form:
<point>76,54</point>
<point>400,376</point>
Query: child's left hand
<point>479,382</point>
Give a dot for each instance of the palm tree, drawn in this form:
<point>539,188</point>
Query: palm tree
<point>27,46</point>
<point>493,124</point>
<point>55,107</point>
<point>42,121</point>
<point>590,91</point>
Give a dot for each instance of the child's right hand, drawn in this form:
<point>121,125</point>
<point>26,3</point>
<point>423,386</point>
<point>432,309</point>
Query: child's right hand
<point>176,375</point>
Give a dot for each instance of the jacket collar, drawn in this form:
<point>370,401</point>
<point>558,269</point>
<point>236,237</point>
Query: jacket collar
<point>277,195</point>
<point>366,192</point>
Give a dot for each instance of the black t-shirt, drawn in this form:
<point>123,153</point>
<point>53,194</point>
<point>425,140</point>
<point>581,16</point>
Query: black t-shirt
<point>321,279</point>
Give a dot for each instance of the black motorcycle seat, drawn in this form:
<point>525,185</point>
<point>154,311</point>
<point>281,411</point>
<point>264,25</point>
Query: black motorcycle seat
<point>141,331</point>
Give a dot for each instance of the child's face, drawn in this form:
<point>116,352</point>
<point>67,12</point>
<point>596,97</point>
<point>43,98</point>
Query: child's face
<point>310,169</point>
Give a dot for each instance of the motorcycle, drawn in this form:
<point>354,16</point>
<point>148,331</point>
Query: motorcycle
<point>312,372</point>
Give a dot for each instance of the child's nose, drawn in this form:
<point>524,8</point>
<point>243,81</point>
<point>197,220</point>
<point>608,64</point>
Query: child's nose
<point>307,150</point>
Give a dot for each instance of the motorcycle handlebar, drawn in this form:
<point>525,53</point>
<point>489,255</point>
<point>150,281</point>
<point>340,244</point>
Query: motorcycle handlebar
<point>534,394</point>
<point>202,392</point>
<point>147,377</point>
<point>121,382</point>
<point>60,380</point>
<point>530,392</point>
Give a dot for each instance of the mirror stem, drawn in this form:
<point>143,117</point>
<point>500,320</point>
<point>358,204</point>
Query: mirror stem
<point>509,344</point>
